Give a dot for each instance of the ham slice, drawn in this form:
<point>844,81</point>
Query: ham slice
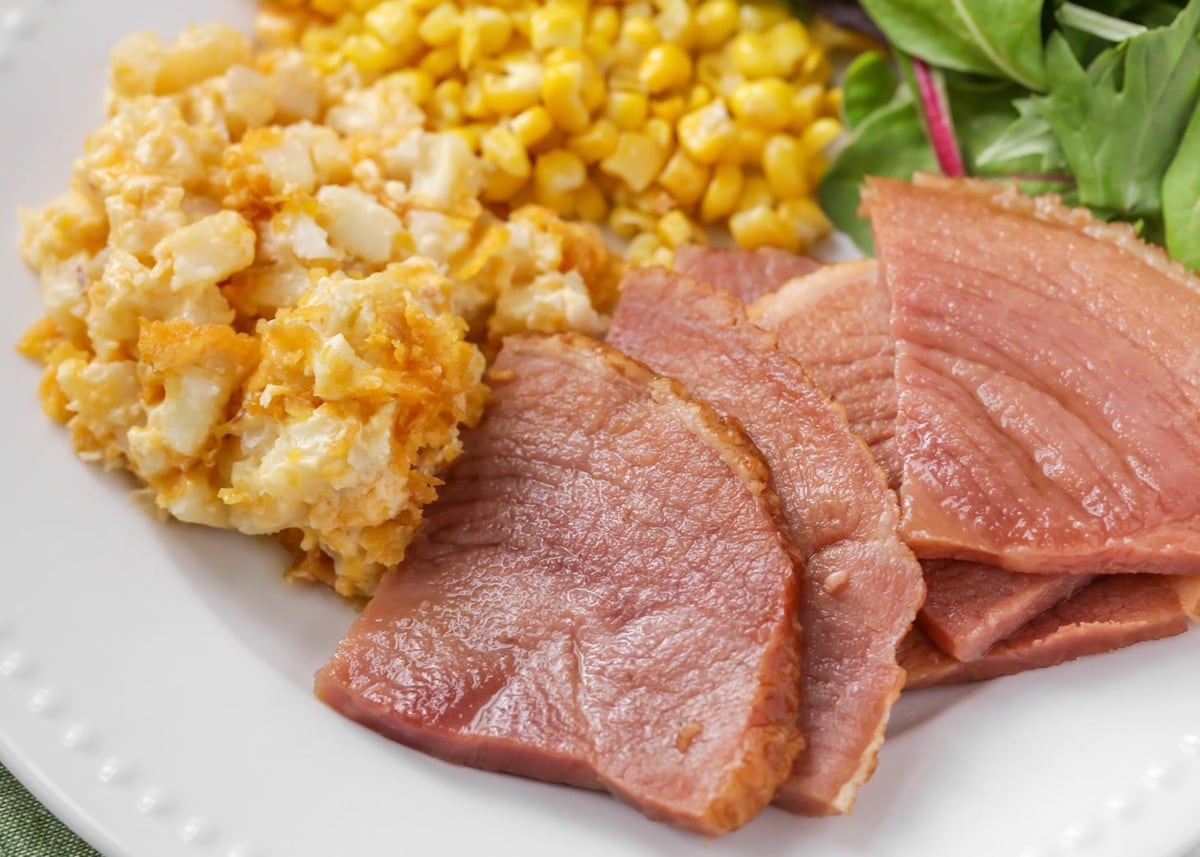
<point>603,595</point>
<point>862,586</point>
<point>1109,613</point>
<point>748,274</point>
<point>837,323</point>
<point>1048,385</point>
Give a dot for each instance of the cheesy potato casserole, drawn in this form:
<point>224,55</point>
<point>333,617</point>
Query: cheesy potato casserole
<point>269,292</point>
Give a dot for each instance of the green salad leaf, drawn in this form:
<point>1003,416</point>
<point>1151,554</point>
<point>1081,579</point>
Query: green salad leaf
<point>1105,110</point>
<point>997,39</point>
<point>1120,120</point>
<point>869,84</point>
<point>891,142</point>
<point>1181,198</point>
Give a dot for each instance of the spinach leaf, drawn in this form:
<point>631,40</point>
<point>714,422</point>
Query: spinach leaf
<point>890,142</point>
<point>1120,121</point>
<point>1181,198</point>
<point>869,84</point>
<point>997,39</point>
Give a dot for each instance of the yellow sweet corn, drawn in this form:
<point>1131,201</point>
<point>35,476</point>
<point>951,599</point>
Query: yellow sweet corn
<point>653,115</point>
<point>762,226</point>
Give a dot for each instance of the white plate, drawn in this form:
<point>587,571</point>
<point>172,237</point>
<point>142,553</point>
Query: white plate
<point>154,679</point>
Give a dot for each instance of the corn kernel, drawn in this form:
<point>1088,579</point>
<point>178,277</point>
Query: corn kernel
<point>684,179</point>
<point>491,27</point>
<point>446,102</point>
<point>660,132</point>
<point>593,88</point>
<point>562,94</point>
<point>590,203</point>
<point>674,22</point>
<point>765,103</point>
<point>555,26</point>
<point>783,163</point>
<point>532,124</point>
<point>756,192</point>
<point>790,44</point>
<point>605,23</point>
<point>668,109</point>
<point>500,146</point>
<point>665,67</point>
<point>362,5</point>
<point>440,62</point>
<point>627,110</point>
<point>637,160</point>
<point>643,248</point>
<point>715,22</point>
<point>754,56</point>
<point>820,134</point>
<point>473,101</point>
<point>557,173</point>
<point>469,134</point>
<point>807,220</point>
<point>626,222</point>
<point>760,16</point>
<point>762,226</point>
<point>501,186</point>
<point>367,52</point>
<point>638,36</point>
<point>806,104</point>
<point>596,142</point>
<point>698,96</point>
<point>722,194</point>
<point>747,146</point>
<point>414,83</point>
<point>815,68</point>
<point>705,133</point>
<point>832,101</point>
<point>441,26</point>
<point>393,22</point>
<point>276,29</point>
<point>674,229</point>
<point>520,87</point>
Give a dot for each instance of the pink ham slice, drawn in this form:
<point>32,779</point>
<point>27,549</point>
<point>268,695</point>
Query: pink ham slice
<point>837,323</point>
<point>1109,613</point>
<point>602,596</point>
<point>747,274</point>
<point>1048,384</point>
<point>862,585</point>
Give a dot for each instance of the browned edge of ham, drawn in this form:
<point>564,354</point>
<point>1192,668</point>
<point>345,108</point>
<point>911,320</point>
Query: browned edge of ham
<point>837,323</point>
<point>748,274</point>
<point>1109,613</point>
<point>1045,364</point>
<point>862,585</point>
<point>604,594</point>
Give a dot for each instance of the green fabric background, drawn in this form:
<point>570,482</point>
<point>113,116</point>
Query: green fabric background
<point>27,829</point>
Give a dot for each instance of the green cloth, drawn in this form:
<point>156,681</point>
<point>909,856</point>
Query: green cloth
<point>28,829</point>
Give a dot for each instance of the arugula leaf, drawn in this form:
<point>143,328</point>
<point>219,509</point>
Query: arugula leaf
<point>869,84</point>
<point>1120,121</point>
<point>1181,198</point>
<point>891,142</point>
<point>1025,145</point>
<point>997,39</point>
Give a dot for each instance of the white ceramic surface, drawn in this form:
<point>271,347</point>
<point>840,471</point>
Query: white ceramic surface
<point>154,679</point>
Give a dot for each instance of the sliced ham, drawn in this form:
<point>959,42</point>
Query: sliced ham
<point>603,595</point>
<point>748,274</point>
<point>862,586</point>
<point>971,606</point>
<point>1109,613</point>
<point>837,323</point>
<point>1048,382</point>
